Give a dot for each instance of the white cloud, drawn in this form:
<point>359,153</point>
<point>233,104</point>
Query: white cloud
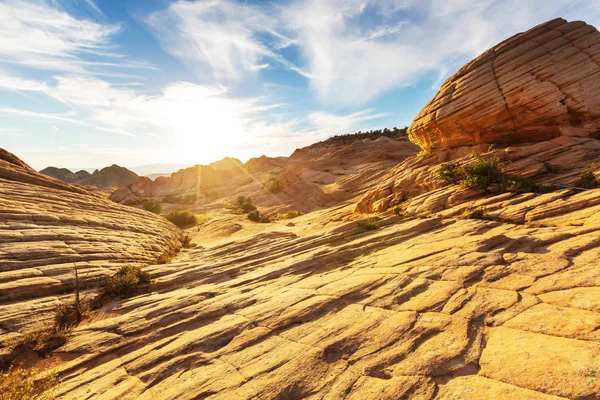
<point>351,61</point>
<point>40,115</point>
<point>223,39</point>
<point>11,82</point>
<point>41,35</point>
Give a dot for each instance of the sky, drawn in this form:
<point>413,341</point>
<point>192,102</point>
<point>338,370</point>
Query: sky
<point>89,83</point>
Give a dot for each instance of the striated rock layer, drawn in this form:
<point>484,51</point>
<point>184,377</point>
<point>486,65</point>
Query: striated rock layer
<point>535,86</point>
<point>48,227</point>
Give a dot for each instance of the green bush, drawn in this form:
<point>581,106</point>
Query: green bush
<point>254,216</point>
<point>369,224</point>
<point>519,184</point>
<point>451,172</point>
<point>273,186</point>
<point>181,218</point>
<point>293,214</point>
<point>587,179</point>
<point>482,173</point>
<point>479,213</point>
<point>153,206</point>
<point>186,241</point>
<point>126,282</point>
<point>244,204</point>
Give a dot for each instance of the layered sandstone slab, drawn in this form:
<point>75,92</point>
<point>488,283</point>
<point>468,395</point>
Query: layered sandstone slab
<point>418,308</point>
<point>48,228</point>
<point>535,86</point>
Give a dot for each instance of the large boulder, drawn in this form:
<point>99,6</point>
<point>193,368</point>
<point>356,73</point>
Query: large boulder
<point>535,86</point>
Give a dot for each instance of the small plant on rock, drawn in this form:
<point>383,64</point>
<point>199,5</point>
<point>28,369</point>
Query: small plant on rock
<point>478,213</point>
<point>186,241</point>
<point>273,186</point>
<point>181,218</point>
<point>369,224</point>
<point>450,172</point>
<point>256,216</point>
<point>551,168</point>
<point>153,206</point>
<point>24,384</point>
<point>482,173</point>
<point>293,214</point>
<point>519,184</point>
<point>398,211</point>
<point>244,204</point>
<point>587,179</point>
<point>126,282</point>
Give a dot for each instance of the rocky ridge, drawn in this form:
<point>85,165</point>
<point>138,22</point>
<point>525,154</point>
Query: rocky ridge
<point>113,175</point>
<point>48,228</point>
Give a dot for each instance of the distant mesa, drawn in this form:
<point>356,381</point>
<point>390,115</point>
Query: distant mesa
<point>532,87</point>
<point>109,176</point>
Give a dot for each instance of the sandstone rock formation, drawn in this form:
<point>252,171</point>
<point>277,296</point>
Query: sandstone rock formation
<point>320,175</point>
<point>425,305</point>
<point>113,175</point>
<point>419,308</point>
<point>535,86</point>
<point>48,227</point>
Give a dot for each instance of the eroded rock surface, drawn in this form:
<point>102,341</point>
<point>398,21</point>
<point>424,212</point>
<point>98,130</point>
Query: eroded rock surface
<point>47,228</point>
<point>535,86</point>
<point>419,308</point>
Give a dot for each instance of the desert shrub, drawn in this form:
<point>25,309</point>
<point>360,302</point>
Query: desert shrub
<point>369,224</point>
<point>165,257</point>
<point>153,206</point>
<point>478,213</point>
<point>189,199</point>
<point>254,216</point>
<point>450,172</point>
<point>551,168</point>
<point>397,211</point>
<point>69,314</point>
<point>427,151</point>
<point>43,341</point>
<point>587,179</point>
<point>181,218</point>
<point>186,241</point>
<point>519,184</point>
<point>273,185</point>
<point>244,204</point>
<point>22,384</point>
<point>126,282</point>
<point>293,214</point>
<point>482,173</point>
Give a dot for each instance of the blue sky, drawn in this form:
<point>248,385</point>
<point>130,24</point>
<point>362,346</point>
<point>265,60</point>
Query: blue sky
<point>88,83</point>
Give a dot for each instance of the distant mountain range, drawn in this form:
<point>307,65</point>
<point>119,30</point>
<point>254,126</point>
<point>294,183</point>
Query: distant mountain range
<point>109,176</point>
<point>114,175</point>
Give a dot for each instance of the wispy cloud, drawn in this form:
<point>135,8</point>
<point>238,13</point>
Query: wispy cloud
<point>40,115</point>
<point>12,82</point>
<point>223,39</point>
<point>350,61</point>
